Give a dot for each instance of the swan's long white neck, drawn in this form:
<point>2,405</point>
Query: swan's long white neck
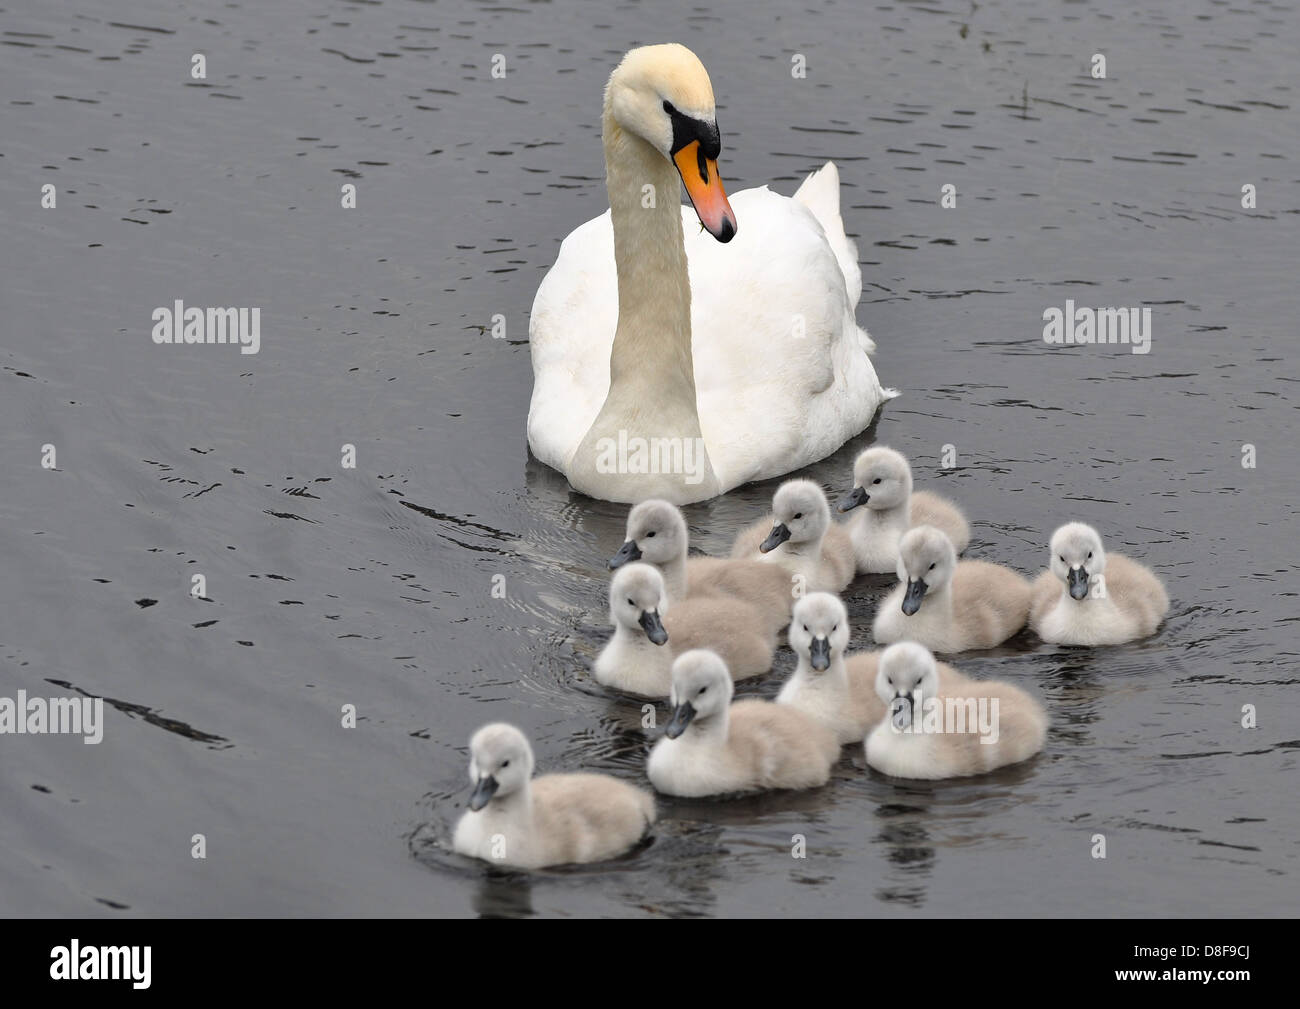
<point>652,343</point>
<point>651,394</point>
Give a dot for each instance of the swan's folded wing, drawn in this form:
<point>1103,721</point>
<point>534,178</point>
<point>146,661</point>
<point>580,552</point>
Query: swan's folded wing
<point>781,375</point>
<point>570,335</point>
<point>820,193</point>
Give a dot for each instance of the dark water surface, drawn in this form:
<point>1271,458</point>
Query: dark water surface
<point>329,586</point>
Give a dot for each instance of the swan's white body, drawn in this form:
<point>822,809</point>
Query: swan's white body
<point>765,323</point>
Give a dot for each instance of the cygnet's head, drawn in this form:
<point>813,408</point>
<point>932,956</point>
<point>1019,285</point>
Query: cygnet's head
<point>662,94</point>
<point>656,534</point>
<point>636,601</point>
<point>819,629</point>
<point>905,668</point>
<point>500,763</point>
<point>800,515</point>
<point>702,689</point>
<point>926,562</point>
<point>1077,556</point>
<point>881,479</point>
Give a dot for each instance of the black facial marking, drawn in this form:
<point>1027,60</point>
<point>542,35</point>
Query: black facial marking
<point>687,129</point>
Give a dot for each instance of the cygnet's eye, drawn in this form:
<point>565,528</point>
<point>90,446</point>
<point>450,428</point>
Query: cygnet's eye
<point>650,535</point>
<point>834,628</point>
<point>890,679</point>
<point>1089,555</point>
<point>631,603</point>
<point>877,480</point>
<point>805,628</point>
<point>1062,560</point>
<point>798,515</point>
<point>701,690</point>
<point>931,567</point>
<point>505,764</point>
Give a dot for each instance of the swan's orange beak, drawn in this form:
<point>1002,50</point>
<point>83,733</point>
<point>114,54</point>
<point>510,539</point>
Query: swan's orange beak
<point>704,187</point>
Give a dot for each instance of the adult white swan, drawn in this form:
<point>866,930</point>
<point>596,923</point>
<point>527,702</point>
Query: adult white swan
<point>672,366</point>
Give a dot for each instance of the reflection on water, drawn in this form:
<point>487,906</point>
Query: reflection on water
<point>909,854</point>
<point>328,586</point>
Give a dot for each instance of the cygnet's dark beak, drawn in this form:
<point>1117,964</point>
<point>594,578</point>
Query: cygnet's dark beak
<point>915,593</point>
<point>857,496</point>
<point>483,792</point>
<point>628,552</point>
<point>653,626</point>
<point>682,715</point>
<point>779,534</point>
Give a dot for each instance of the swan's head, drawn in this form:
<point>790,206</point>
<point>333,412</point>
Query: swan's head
<point>1077,556</point>
<point>636,601</point>
<point>881,479</point>
<point>656,534</point>
<point>800,514</point>
<point>926,561</point>
<point>904,669</point>
<point>702,689</point>
<point>819,629</point>
<point>662,94</point>
<point>500,763</point>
